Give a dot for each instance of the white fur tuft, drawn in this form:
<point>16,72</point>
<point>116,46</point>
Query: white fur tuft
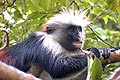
<point>69,17</point>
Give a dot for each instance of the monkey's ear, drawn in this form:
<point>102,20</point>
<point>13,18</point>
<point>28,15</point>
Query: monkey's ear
<point>44,27</point>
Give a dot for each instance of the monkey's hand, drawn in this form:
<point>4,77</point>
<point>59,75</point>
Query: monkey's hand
<point>109,55</point>
<point>105,52</point>
<point>93,52</point>
<point>101,52</point>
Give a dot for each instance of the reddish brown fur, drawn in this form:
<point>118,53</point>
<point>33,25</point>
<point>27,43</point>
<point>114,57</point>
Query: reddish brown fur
<point>2,55</point>
<point>4,58</point>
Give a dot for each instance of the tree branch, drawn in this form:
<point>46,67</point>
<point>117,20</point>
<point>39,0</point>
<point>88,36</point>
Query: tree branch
<point>114,57</point>
<point>101,38</point>
<point>94,31</point>
<point>7,37</point>
<point>115,75</point>
<point>73,2</point>
<point>9,5</point>
<point>11,73</point>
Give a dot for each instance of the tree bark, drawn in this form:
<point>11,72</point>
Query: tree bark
<point>10,73</point>
<point>114,57</point>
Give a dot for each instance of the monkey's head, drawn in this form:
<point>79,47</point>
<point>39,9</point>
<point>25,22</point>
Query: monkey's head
<point>67,29</point>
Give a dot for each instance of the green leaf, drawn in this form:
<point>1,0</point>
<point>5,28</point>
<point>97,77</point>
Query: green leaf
<point>90,62</point>
<point>102,44</point>
<point>94,69</point>
<point>101,32</point>
<point>92,16</point>
<point>35,4</point>
<point>112,4</point>
<point>33,15</point>
<point>48,5</point>
<point>93,0</point>
<point>64,2</point>
<point>109,2</point>
<point>45,4</point>
<point>119,19</point>
<point>97,10</point>
<point>1,19</point>
<point>92,36</point>
<point>17,15</point>
<point>101,2</point>
<point>112,18</point>
<point>118,9</point>
<point>86,1</point>
<point>86,5</point>
<point>105,18</point>
<point>31,6</point>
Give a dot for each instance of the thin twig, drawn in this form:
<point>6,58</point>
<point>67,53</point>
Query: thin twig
<point>73,2</point>
<point>7,37</point>
<point>13,1</point>
<point>25,24</point>
<point>101,38</point>
<point>85,51</point>
<point>9,5</point>
<point>76,5</point>
<point>94,31</point>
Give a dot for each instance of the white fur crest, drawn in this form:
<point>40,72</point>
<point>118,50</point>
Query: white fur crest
<point>52,45</point>
<point>69,17</point>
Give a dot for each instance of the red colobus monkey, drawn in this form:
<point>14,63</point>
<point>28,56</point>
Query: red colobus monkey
<point>56,49</point>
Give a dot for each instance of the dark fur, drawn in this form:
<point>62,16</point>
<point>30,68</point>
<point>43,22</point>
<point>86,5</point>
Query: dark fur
<point>31,52</point>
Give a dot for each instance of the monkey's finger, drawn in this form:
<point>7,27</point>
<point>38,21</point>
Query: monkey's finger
<point>114,56</point>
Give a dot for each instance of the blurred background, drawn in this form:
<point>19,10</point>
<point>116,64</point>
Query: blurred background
<point>22,17</point>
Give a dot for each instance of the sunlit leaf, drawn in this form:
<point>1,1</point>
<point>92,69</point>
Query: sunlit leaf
<point>35,3</point>
<point>119,19</point>
<point>118,8</point>
<point>101,2</point>
<point>94,69</point>
<point>97,10</point>
<point>109,1</point>
<point>105,18</point>
<point>86,0</point>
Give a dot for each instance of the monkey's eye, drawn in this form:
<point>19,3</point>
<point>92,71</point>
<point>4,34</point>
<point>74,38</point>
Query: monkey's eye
<point>50,30</point>
<point>71,28</point>
<point>79,28</point>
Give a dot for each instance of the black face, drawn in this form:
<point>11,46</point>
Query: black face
<point>72,35</point>
<point>66,36</point>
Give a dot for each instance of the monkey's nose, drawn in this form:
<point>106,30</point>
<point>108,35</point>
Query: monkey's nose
<point>79,37</point>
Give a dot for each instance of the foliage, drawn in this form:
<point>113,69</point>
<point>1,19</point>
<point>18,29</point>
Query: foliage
<point>94,69</point>
<point>22,17</point>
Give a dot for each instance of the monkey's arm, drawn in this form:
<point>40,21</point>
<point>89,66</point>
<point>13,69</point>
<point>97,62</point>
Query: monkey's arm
<point>66,66</point>
<point>107,55</point>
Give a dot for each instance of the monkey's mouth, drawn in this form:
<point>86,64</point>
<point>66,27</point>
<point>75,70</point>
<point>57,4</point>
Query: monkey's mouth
<point>78,44</point>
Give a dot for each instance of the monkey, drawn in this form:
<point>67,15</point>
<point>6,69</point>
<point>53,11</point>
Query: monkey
<point>55,49</point>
